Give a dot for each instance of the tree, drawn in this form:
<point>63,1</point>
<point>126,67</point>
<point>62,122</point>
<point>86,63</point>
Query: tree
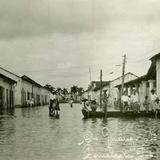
<point>50,88</point>
<point>74,89</point>
<point>59,90</point>
<point>64,91</point>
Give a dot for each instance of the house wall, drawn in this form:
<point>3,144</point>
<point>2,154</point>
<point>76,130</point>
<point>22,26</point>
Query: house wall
<point>26,93</point>
<point>6,94</point>
<point>158,76</point>
<point>18,86</point>
<point>40,95</point>
<point>114,92</point>
<point>46,95</point>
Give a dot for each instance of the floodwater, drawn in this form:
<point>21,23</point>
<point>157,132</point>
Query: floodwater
<point>30,134</point>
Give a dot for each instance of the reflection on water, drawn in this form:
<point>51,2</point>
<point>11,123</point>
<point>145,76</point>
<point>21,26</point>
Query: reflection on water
<point>30,134</point>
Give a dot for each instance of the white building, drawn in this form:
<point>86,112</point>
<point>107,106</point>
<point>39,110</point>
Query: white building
<point>26,89</point>
<point>31,90</point>
<point>94,88</point>
<point>93,91</point>
<point>114,91</point>
<point>144,84</point>
<point>7,86</point>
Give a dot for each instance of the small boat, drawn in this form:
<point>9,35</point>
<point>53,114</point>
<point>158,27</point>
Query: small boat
<point>129,114</point>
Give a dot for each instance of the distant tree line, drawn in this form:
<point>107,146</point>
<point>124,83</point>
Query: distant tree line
<point>75,91</point>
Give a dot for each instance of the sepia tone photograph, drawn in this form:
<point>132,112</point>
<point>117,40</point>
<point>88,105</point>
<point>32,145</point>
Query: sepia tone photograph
<point>79,80</point>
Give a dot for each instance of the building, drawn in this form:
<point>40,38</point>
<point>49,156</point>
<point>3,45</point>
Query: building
<point>26,89</point>
<point>7,86</point>
<point>141,84</point>
<point>17,89</point>
<point>144,84</point>
<point>32,91</point>
<point>93,90</point>
<point>114,91</point>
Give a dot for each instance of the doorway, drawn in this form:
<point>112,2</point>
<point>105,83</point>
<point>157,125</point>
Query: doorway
<point>2,97</point>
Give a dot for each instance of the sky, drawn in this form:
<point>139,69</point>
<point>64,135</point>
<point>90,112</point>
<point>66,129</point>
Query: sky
<point>57,41</point>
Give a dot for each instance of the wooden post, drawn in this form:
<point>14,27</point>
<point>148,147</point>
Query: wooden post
<point>123,76</point>
<point>101,88</point>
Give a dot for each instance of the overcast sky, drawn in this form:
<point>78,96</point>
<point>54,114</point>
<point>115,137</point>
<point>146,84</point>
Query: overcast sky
<point>56,41</point>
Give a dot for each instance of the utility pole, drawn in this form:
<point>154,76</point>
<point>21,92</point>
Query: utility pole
<point>101,89</point>
<point>123,76</point>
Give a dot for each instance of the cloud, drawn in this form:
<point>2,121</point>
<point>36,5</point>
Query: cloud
<point>25,18</point>
<point>28,18</point>
<point>58,40</point>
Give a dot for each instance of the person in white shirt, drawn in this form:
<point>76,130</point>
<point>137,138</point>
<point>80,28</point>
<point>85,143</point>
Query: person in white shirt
<point>125,101</point>
<point>134,101</point>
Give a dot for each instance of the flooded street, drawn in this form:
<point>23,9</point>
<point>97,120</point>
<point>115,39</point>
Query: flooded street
<point>30,134</point>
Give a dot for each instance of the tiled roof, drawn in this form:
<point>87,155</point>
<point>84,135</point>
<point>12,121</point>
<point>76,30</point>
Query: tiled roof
<point>26,78</point>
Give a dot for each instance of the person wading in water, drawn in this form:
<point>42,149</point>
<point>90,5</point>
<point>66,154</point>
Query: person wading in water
<point>52,105</point>
<point>57,108</point>
<point>71,102</point>
<point>51,108</point>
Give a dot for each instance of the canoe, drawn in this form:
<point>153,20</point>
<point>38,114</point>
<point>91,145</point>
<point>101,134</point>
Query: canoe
<point>129,114</point>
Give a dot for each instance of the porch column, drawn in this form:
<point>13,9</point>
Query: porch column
<point>138,90</point>
<point>143,90</point>
<point>144,87</point>
<point>151,85</point>
<point>158,77</point>
<point>129,90</point>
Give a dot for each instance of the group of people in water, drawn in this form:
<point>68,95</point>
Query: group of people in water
<point>54,106</point>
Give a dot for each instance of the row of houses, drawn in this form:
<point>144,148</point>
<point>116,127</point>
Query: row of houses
<point>143,85</point>
<point>16,91</point>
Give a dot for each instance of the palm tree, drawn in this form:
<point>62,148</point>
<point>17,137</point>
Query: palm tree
<point>64,92</point>
<point>74,89</point>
